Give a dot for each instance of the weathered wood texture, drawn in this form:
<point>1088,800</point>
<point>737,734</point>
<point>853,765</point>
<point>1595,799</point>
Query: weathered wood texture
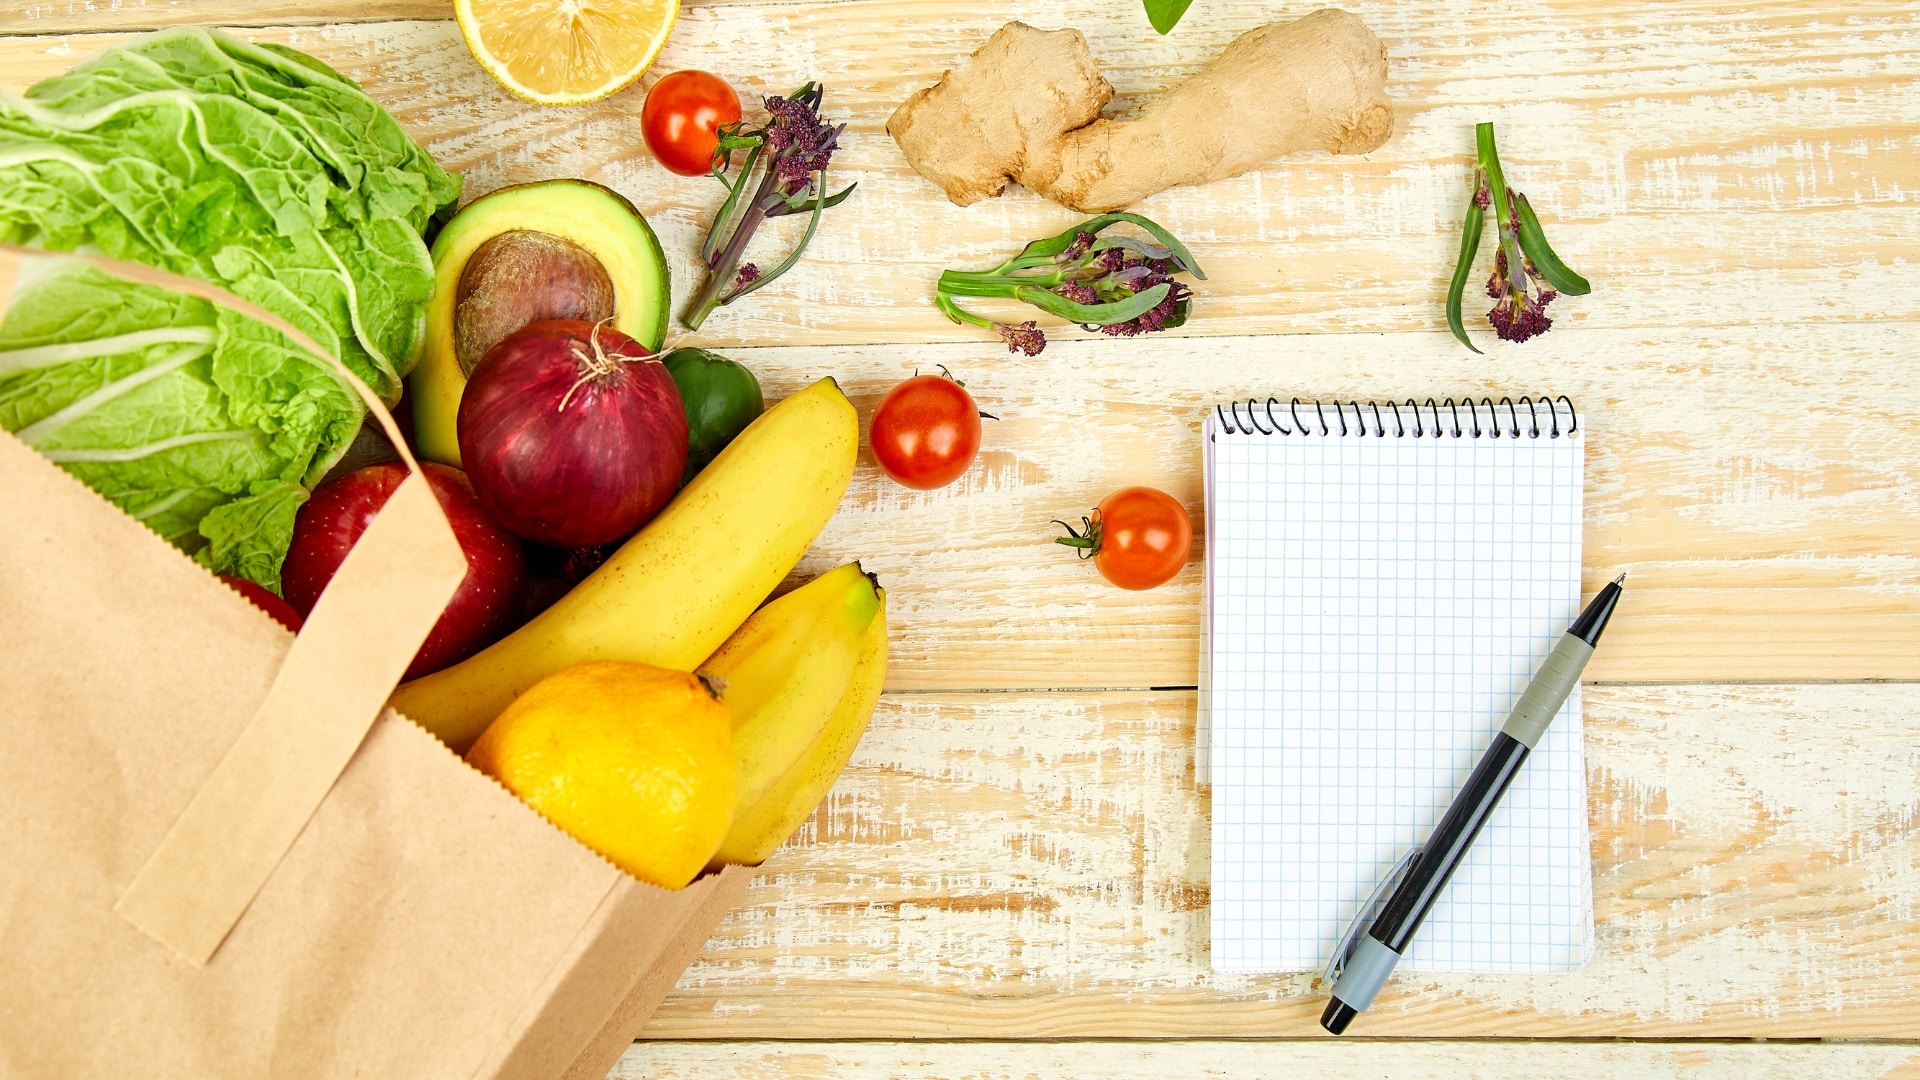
<point>101,16</point>
<point>1737,180</point>
<point>1756,480</point>
<point>1704,165</point>
<point>1026,865</point>
<point>1759,484</point>
<point>1408,1060</point>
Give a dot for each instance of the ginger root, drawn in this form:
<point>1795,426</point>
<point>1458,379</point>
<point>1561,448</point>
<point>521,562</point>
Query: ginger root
<point>1026,107</point>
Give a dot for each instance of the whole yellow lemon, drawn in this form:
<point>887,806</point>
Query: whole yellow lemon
<point>634,761</point>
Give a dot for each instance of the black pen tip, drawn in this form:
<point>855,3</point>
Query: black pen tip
<point>1621,579</point>
<point>1338,1015</point>
<point>1593,618</point>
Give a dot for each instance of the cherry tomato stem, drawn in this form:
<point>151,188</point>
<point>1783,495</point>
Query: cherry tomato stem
<point>1138,537</point>
<point>1087,542</point>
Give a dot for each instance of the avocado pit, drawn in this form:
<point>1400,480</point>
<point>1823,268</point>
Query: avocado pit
<point>523,276</point>
<point>526,278</point>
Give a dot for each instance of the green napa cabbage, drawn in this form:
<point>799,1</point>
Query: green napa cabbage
<point>252,167</point>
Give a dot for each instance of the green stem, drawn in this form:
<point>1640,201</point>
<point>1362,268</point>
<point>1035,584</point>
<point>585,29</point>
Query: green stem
<point>1088,542</point>
<point>953,311</point>
<point>813,222</point>
<point>988,283</point>
<point>726,263</point>
<point>1023,262</point>
<point>1505,236</point>
<point>711,248</point>
<point>1490,162</point>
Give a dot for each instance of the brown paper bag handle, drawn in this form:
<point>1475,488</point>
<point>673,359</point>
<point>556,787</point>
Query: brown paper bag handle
<point>334,683</point>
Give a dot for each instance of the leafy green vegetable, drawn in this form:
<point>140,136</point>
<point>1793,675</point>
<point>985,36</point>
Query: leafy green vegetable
<point>1165,14</point>
<point>196,420</point>
<point>249,535</point>
<point>257,169</point>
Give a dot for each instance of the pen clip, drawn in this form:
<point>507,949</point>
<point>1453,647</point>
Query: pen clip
<point>1338,961</point>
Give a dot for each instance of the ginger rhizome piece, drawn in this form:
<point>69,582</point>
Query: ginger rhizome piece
<point>1025,108</point>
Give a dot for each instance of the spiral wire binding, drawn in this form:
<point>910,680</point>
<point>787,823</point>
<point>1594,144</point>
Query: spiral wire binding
<point>1429,418</point>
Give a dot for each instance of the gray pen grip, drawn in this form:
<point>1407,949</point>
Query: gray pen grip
<point>1365,973</point>
<point>1548,691</point>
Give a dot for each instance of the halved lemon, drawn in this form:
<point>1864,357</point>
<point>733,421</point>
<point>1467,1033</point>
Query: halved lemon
<point>565,52</point>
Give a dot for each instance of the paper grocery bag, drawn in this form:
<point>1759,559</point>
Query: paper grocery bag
<point>222,856</point>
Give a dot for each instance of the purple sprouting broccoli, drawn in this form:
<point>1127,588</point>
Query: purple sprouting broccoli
<point>1022,337</point>
<point>1519,307</point>
<point>1527,275</point>
<point>786,167</point>
<point>1116,284</point>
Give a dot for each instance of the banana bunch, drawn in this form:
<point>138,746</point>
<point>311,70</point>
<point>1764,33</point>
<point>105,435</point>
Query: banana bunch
<point>802,677</point>
<point>672,594</point>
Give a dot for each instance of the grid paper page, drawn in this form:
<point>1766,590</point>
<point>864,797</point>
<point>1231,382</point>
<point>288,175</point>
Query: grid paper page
<point>1375,607</point>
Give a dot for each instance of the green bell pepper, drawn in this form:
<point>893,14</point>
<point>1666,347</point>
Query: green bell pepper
<point>721,398</point>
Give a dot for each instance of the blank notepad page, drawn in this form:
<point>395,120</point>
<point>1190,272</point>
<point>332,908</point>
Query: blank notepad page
<point>1376,605</point>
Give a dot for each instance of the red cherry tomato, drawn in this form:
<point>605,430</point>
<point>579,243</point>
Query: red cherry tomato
<point>682,118</point>
<point>926,432</point>
<point>1138,537</point>
<point>282,612</point>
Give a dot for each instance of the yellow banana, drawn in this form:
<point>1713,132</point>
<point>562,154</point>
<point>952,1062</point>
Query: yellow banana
<point>786,669</point>
<point>761,826</point>
<point>680,586</point>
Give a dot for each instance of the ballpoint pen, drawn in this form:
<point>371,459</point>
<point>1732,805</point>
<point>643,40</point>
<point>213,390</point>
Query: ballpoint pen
<point>1362,961</point>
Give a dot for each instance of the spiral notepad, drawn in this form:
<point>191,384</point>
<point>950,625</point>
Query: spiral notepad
<point>1382,579</point>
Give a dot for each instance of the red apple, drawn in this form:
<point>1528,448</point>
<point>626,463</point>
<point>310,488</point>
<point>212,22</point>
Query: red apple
<point>258,595</point>
<point>339,511</point>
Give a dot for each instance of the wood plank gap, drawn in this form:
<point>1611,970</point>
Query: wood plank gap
<point>1320,1040</point>
<point>1426,1059</point>
<point>1590,683</point>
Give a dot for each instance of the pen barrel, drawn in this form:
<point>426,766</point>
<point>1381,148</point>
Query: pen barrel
<point>1541,700</point>
<point>1375,953</point>
<point>1433,867</point>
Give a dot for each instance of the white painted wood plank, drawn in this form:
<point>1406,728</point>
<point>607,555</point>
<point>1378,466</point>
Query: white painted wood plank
<point>1702,169</point>
<point>102,16</point>
<point>1026,864</point>
<point>1036,866</point>
<point>1742,517</point>
<point>1396,1060</point>
<point>1759,485</point>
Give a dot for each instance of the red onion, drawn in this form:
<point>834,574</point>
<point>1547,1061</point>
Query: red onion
<point>572,433</point>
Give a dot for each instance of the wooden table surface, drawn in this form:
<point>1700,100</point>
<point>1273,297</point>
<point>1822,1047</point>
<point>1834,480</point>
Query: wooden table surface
<point>1012,877</point>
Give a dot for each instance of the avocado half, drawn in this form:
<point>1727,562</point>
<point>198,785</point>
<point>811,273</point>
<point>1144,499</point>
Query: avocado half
<point>596,218</point>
